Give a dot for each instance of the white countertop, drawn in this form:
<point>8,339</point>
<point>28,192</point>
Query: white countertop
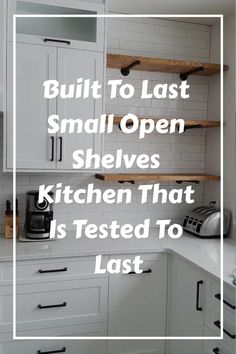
<point>204,253</point>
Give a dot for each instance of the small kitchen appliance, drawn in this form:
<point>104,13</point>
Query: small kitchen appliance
<point>204,221</point>
<point>38,216</point>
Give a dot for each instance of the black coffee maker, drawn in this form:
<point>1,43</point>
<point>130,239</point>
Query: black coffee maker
<point>38,216</point>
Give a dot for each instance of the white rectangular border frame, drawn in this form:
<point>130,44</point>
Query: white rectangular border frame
<point>15,337</point>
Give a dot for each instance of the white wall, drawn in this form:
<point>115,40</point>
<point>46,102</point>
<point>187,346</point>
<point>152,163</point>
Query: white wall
<point>212,192</point>
<point>186,153</point>
<point>229,119</point>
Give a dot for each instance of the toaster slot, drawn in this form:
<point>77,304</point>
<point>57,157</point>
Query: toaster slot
<point>190,221</point>
<point>185,221</point>
<point>195,222</point>
<point>199,225</point>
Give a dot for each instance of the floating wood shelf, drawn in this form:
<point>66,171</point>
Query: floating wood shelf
<point>189,123</point>
<point>116,61</point>
<point>155,177</point>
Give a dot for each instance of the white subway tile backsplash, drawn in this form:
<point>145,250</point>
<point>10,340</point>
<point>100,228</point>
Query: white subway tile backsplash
<point>136,26</point>
<point>157,38</point>
<point>194,34</point>
<point>193,43</point>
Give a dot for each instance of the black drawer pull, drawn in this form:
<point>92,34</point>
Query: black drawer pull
<point>144,272</point>
<point>232,336</point>
<point>63,350</point>
<point>60,141</point>
<point>52,153</point>
<point>41,271</point>
<point>56,40</point>
<point>218,297</point>
<point>198,308</point>
<point>52,306</point>
<point>216,350</point>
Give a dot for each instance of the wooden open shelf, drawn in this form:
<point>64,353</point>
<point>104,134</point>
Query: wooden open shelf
<point>189,123</point>
<point>155,177</point>
<point>117,61</point>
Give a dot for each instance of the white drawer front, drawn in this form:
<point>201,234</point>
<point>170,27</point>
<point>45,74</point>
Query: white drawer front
<point>74,302</point>
<point>7,346</point>
<point>216,346</point>
<point>212,317</point>
<point>214,292</point>
<point>212,322</point>
<point>49,270</point>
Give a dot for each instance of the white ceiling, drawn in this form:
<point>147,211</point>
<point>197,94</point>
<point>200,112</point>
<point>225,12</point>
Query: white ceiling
<point>225,7</point>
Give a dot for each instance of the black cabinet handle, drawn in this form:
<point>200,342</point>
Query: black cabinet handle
<point>41,271</point>
<point>63,350</point>
<point>60,149</point>
<point>198,308</point>
<point>52,151</point>
<point>56,40</point>
<point>232,336</point>
<point>216,350</point>
<point>218,297</point>
<point>52,306</point>
<point>144,272</point>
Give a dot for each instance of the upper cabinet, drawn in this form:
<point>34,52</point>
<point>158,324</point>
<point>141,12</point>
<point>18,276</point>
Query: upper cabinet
<point>58,48</point>
<point>73,64</point>
<point>35,148</point>
<point>70,23</point>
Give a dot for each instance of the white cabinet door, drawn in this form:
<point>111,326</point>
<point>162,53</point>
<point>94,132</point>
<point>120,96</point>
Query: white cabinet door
<point>186,306</point>
<point>137,307</point>
<point>72,65</point>
<point>79,32</point>
<point>34,147</point>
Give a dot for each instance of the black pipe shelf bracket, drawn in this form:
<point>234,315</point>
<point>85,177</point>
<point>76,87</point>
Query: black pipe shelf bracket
<point>184,76</point>
<point>187,181</point>
<point>125,71</point>
<point>127,125</point>
<point>131,182</point>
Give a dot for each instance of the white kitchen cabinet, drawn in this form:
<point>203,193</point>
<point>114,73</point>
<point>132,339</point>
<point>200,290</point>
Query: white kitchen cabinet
<point>67,290</point>
<point>60,48</point>
<point>46,305</point>
<point>216,346</point>
<point>40,346</point>
<point>74,32</point>
<point>36,149</point>
<point>34,146</point>
<point>74,64</point>
<point>213,315</point>
<point>186,306</point>
<point>137,307</point>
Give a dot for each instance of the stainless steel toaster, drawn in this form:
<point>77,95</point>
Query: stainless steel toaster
<point>204,221</point>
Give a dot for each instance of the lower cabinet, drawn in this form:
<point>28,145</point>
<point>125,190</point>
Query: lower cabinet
<point>137,307</point>
<point>213,320</point>
<point>216,346</point>
<point>49,305</point>
<point>186,306</point>
<point>40,346</point>
<point>64,298</point>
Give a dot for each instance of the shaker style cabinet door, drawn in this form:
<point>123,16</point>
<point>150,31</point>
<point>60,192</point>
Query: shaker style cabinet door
<point>74,65</point>
<point>186,306</point>
<point>35,148</point>
<point>137,308</point>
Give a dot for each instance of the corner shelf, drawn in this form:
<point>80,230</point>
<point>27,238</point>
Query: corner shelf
<point>183,67</point>
<point>189,123</point>
<point>155,177</point>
